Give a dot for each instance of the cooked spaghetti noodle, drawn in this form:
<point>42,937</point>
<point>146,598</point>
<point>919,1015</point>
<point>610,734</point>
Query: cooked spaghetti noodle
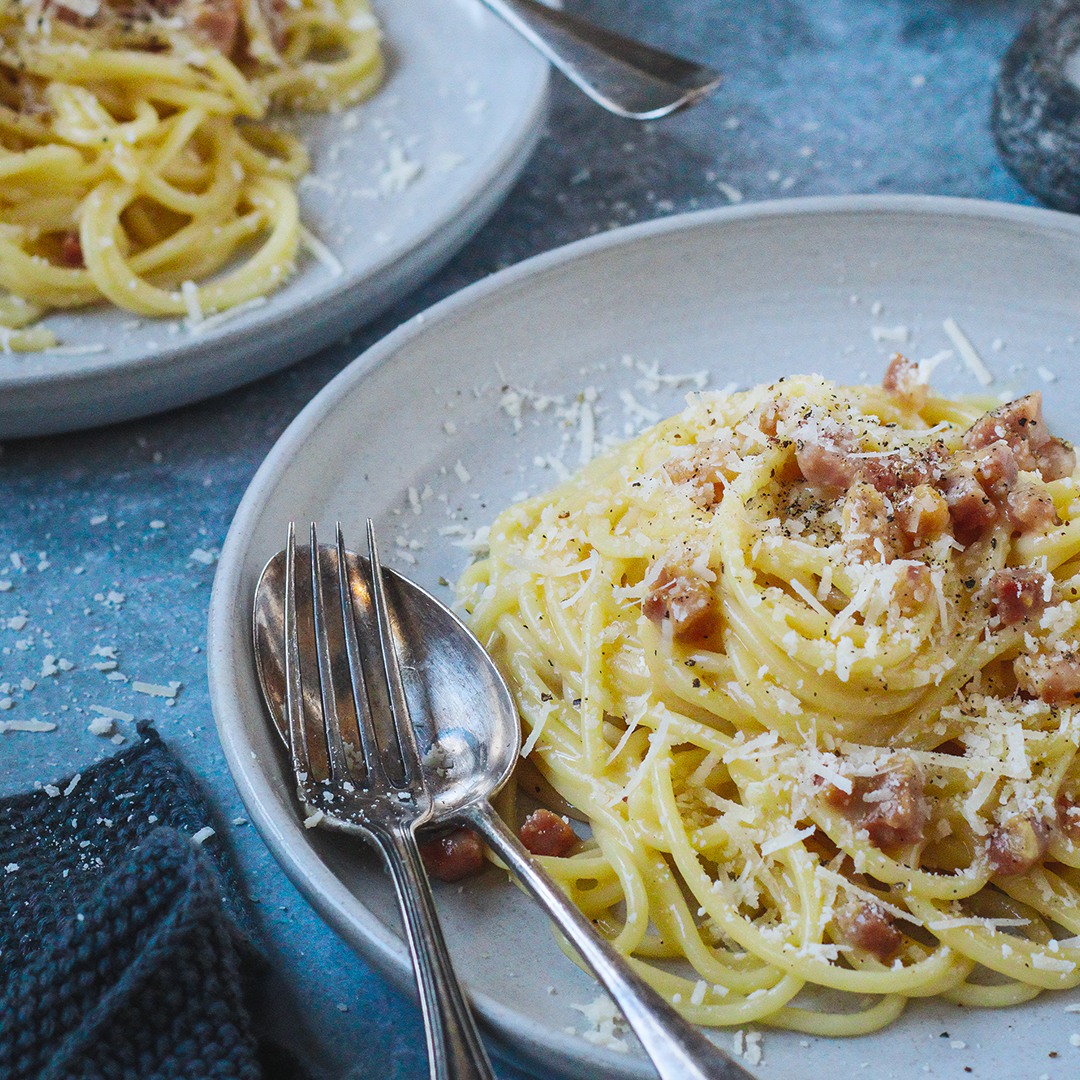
<point>135,163</point>
<point>806,660</point>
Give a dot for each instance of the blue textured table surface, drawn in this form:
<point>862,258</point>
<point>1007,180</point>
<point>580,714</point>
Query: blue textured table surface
<point>112,533</point>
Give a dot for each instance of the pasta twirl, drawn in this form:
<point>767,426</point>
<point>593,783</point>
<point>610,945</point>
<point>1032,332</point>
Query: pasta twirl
<point>807,660</point>
<point>135,161</point>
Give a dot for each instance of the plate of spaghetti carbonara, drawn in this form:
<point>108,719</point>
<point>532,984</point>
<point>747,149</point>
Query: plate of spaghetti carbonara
<point>807,659</point>
<point>198,191</point>
<point>787,591</point>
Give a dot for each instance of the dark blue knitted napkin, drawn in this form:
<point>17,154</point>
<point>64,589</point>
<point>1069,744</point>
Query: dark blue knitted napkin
<point>124,947</point>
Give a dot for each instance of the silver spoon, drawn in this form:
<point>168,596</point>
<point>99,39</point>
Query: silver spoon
<point>624,76</point>
<point>469,735</point>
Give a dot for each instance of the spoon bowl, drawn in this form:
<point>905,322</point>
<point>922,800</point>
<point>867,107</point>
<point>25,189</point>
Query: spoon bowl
<point>466,723</point>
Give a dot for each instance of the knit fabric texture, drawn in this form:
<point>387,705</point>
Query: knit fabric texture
<point>123,953</point>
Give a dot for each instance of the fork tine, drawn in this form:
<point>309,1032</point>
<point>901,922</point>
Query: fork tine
<point>294,703</point>
<point>339,767</point>
<point>399,706</point>
<point>368,739</point>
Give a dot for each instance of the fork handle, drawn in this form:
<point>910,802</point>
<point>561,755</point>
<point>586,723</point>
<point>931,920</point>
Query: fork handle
<point>455,1051</point>
<point>624,76</point>
<point>678,1049</point>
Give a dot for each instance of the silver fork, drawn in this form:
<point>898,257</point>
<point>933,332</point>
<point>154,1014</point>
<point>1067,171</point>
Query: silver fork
<point>359,771</point>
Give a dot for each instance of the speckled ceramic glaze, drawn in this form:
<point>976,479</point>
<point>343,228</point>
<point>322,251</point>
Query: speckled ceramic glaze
<point>746,294</point>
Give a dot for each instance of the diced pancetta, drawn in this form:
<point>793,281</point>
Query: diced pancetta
<point>212,23</point>
<point>1068,813</point>
<point>832,462</point>
<point>869,927</point>
<point>890,805</point>
<point>923,515</point>
<point>1050,677</point>
<point>995,468</point>
<point>62,13</point>
<point>215,23</point>
<point>869,531</point>
<point>1019,423</point>
<point>681,596</point>
<point>913,587</point>
<point>1017,595</point>
<point>902,380</point>
<point>827,468</point>
<point>454,856</point>
<point>71,253</point>
<point>545,833</point>
<point>1056,460</point>
<point>1017,845</point>
<point>701,472</point>
<point>1031,509</point>
<point>893,474</point>
<point>770,413</point>
<point>972,511</point>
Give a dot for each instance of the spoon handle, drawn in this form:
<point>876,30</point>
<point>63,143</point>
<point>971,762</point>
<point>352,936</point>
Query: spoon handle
<point>624,76</point>
<point>678,1049</point>
<point>455,1051</point>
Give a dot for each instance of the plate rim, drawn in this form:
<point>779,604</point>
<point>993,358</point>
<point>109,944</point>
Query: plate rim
<point>304,868</point>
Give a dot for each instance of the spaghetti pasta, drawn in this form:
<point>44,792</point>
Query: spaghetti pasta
<point>136,164</point>
<point>806,659</point>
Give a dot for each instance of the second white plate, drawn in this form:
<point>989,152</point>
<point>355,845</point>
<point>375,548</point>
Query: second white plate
<point>397,185</point>
<point>478,402</point>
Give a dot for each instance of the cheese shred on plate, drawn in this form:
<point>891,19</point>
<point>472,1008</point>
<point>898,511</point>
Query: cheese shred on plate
<point>807,659</point>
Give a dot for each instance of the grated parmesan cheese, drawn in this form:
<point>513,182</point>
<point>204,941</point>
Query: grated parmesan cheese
<point>26,725</point>
<point>897,334</point>
<point>963,922</point>
<point>926,367</point>
<point>786,839</point>
<point>190,293</point>
<point>967,352</point>
<point>1052,963</point>
<point>212,322</point>
<point>102,726</point>
<point>321,252</point>
<point>153,690</point>
<point>606,1024</point>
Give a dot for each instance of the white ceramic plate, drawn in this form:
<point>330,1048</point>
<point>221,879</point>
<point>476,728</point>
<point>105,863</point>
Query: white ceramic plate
<point>464,99</point>
<point>748,294</point>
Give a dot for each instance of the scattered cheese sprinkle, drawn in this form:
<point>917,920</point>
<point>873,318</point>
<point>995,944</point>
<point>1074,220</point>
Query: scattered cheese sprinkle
<point>25,725</point>
<point>321,252</point>
<point>967,352</point>
<point>154,690</point>
<point>190,292</point>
